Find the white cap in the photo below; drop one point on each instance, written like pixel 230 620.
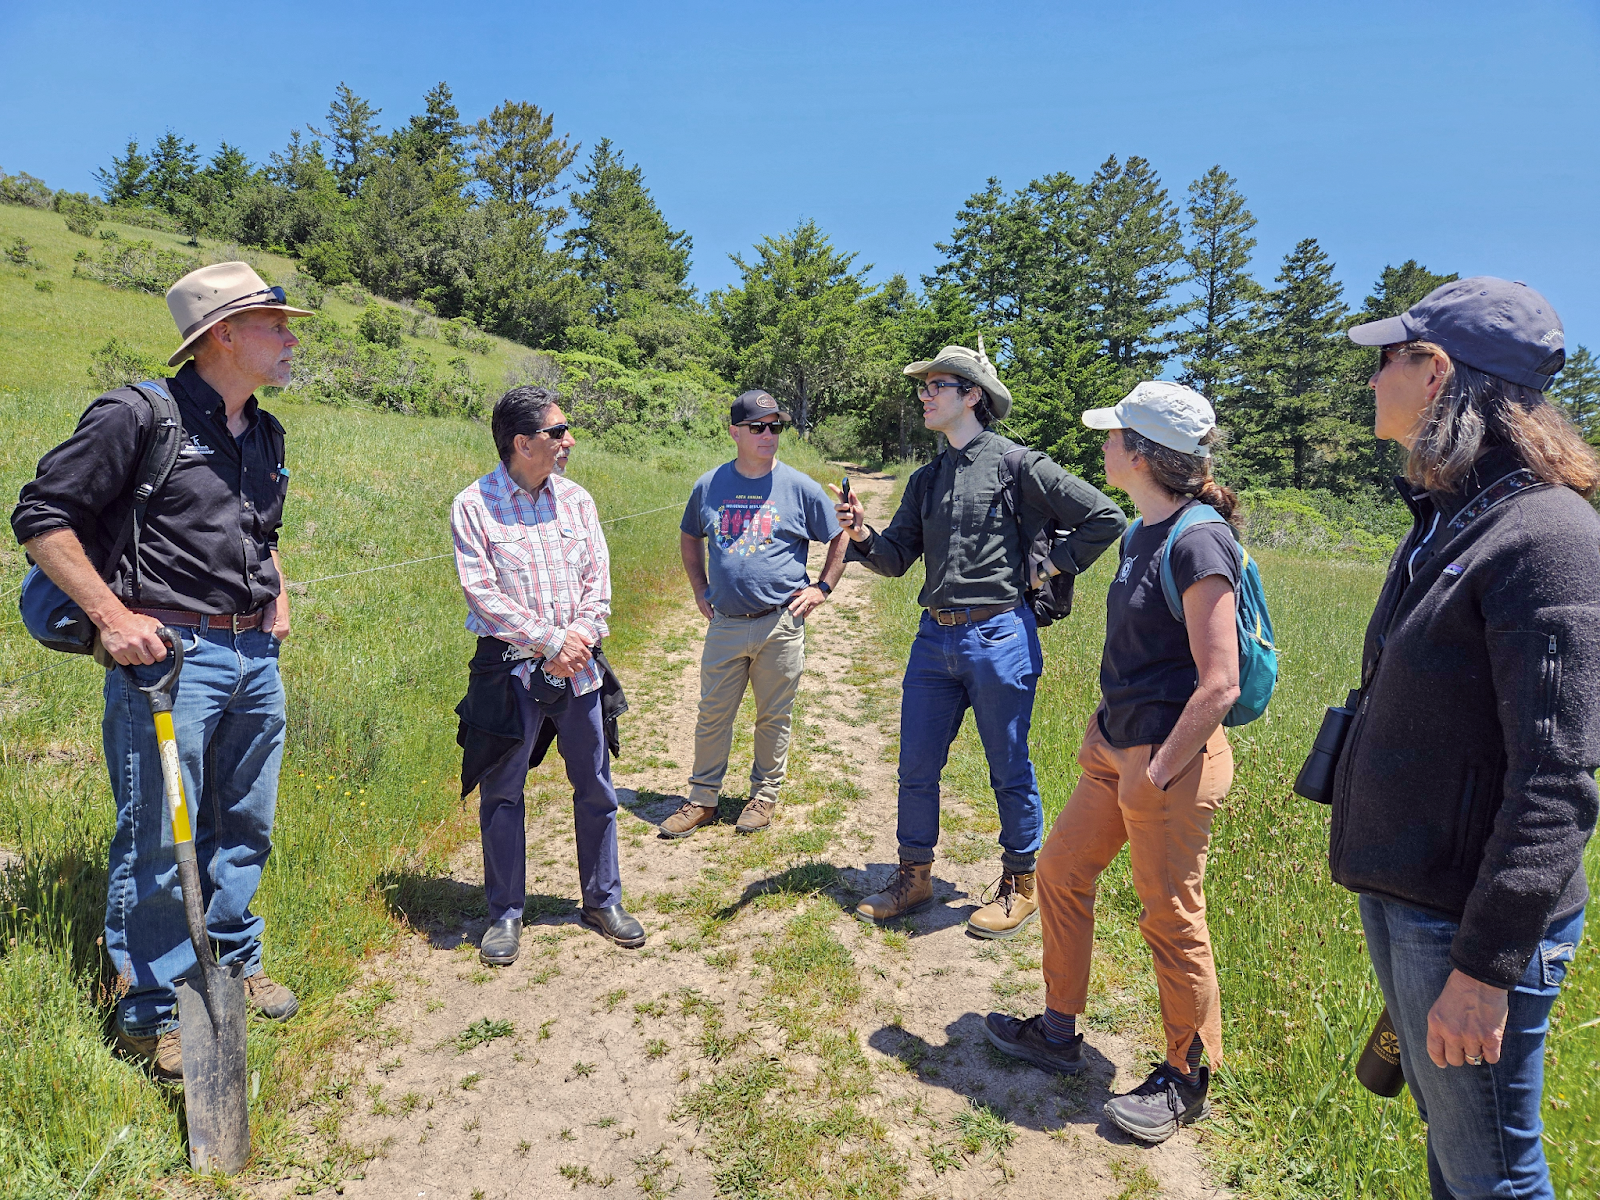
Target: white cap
pixel 1167 413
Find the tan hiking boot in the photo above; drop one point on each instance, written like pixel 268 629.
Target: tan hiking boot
pixel 687 819
pixel 911 890
pixel 757 815
pixel 1013 905
pixel 269 998
pixel 163 1055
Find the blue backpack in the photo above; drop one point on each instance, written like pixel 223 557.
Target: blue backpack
pixel 1258 657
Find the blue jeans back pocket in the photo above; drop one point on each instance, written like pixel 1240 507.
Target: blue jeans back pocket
pixel 1554 958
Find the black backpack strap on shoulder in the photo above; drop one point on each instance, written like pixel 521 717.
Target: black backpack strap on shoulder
pixel 161 450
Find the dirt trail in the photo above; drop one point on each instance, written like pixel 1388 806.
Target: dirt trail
pixel 583 1085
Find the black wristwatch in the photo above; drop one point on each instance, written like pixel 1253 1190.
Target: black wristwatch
pixel 824 587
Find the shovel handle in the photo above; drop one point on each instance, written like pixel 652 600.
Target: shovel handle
pixel 160 696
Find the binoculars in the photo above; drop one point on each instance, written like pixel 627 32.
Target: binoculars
pixel 1315 781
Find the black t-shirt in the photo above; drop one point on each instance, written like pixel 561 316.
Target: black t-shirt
pixel 1147 672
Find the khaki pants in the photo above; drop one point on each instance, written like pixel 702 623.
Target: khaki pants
pixel 768 653
pixel 1167 834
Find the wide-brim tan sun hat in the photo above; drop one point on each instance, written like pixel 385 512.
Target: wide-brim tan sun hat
pixel 1169 414
pixel 202 298
pixel 973 366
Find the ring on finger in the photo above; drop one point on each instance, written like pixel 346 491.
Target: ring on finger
pixel 1474 1060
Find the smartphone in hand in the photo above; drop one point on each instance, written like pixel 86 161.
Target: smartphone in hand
pixel 844 488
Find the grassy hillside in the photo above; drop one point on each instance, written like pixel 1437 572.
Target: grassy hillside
pixel 1298 993
pixel 368 806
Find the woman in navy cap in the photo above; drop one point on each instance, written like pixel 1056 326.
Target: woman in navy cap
pixel 1465 791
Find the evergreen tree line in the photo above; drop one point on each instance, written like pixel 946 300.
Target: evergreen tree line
pixel 1079 287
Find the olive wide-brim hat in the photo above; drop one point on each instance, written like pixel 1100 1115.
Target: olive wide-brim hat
pixel 202 298
pixel 973 366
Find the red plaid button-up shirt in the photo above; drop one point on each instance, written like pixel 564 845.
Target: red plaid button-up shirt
pixel 533 566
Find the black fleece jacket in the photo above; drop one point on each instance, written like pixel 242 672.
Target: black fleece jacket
pixel 1467 787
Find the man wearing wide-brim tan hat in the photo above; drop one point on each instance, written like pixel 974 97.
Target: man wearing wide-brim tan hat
pixel 202 561
pixel 977 645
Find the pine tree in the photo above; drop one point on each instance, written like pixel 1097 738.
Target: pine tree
pixel 127 179
pixel 352 130
pixel 982 254
pixel 1219 255
pixel 433 140
pixel 519 158
pixel 623 246
pixel 228 170
pixel 1135 257
pixel 1398 288
pixel 1576 391
pixel 794 323
pixel 1292 425
pixel 174 163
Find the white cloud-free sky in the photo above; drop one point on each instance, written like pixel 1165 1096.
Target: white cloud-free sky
pixel 1464 134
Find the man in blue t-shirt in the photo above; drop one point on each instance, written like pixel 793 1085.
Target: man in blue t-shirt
pixel 759 519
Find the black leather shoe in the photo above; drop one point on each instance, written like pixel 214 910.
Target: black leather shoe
pixel 616 924
pixel 501 943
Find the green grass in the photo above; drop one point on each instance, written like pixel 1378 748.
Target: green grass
pixel 1298 992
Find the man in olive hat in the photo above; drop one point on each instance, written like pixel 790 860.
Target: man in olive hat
pixel 977 645
pixel 203 562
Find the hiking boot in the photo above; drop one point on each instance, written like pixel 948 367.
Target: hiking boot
pixel 163 1054
pixel 269 998
pixel 757 815
pixel 501 942
pixel 687 819
pixel 1013 906
pixel 911 890
pixel 1153 1111
pixel 1027 1040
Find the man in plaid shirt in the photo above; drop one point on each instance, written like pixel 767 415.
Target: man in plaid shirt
pixel 533 564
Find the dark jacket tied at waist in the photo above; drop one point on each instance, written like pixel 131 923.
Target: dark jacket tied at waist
pixel 490 729
pixel 1467 786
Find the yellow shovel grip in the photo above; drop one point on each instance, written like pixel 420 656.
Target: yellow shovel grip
pixel 172 777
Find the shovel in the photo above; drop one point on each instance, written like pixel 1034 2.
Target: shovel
pixel 211 1006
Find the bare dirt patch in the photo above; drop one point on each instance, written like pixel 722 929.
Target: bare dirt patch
pixel 764 1040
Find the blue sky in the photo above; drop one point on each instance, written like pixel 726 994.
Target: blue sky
pixel 1464 134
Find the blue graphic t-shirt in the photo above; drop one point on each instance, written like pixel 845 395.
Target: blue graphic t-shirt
pixel 757 534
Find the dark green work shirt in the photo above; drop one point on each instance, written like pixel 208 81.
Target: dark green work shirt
pixel 954 512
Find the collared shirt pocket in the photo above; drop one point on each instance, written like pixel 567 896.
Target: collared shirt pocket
pixel 574 546
pixel 511 556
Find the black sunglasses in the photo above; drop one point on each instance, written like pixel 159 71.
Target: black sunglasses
pixel 764 426
pixel 556 432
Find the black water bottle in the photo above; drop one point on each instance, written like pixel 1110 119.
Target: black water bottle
pixel 1378 1068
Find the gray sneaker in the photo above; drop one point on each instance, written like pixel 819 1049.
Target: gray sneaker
pixel 1026 1040
pixel 1153 1111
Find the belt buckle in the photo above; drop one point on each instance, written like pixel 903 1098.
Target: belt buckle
pixel 233 622
pixel 940 616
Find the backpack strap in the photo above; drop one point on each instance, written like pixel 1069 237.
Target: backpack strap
pixel 1198 514
pixel 160 455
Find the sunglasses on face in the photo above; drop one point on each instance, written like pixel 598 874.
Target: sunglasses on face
pixel 760 427
pixel 556 432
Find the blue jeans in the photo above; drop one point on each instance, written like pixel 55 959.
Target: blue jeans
pixel 991 667
pixel 581 741
pixel 1483 1122
pixel 228 714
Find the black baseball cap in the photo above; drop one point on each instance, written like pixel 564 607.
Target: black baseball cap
pixel 755 405
pixel 1503 328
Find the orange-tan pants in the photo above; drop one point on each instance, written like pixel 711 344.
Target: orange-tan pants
pixel 1167 833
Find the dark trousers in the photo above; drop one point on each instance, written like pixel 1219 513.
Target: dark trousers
pixel 580 738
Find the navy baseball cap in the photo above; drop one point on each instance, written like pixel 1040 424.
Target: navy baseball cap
pixel 755 405
pixel 1505 329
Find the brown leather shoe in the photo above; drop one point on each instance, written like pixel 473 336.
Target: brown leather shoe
pixel 687 819
pixel 269 998
pixel 911 890
pixel 1013 906
pixel 757 815
pixel 163 1055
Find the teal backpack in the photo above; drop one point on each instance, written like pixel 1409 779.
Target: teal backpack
pixel 1258 657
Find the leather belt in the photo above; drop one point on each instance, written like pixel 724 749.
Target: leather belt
pixel 233 622
pixel 968 616
pixel 765 612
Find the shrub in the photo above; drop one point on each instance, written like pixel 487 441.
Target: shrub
pixel 144 218
pixel 463 335
pixel 308 291
pixel 20 253
pixel 117 364
pixel 43 285
pixel 535 370
pixel 381 325
pixel 24 189
pixel 137 266
pixel 1284 521
pixel 334 367
pixel 80 218
pixel 423 324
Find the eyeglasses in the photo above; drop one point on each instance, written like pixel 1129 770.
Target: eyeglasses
pixel 929 389
pixel 556 432
pixel 760 427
